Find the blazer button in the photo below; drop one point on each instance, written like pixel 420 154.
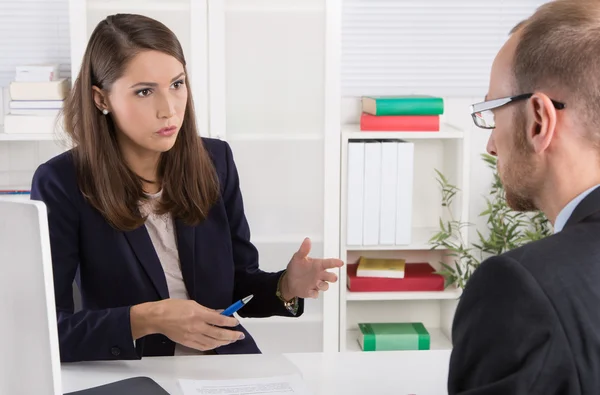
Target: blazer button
pixel 116 351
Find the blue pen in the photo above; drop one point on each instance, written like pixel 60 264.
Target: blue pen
pixel 236 306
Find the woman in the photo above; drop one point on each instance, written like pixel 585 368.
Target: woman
pixel 149 217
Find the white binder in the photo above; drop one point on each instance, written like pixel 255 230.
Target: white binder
pixel 372 202
pixel 356 177
pixel 404 199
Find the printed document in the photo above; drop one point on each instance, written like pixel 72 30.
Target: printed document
pixel 278 385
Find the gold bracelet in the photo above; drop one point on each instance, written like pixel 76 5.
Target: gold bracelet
pixel 290 305
pixel 278 292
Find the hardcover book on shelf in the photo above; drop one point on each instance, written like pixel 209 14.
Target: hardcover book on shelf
pixel 374 267
pixel 400 123
pixel 49 90
pixel 403 105
pixel 418 277
pixel 393 336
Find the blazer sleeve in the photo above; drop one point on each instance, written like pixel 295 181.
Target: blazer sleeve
pixel 249 278
pixel 506 336
pixel 86 334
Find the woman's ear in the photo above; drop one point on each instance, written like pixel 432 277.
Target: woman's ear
pixel 100 99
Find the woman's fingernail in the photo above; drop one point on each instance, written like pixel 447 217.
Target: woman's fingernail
pixel 242 336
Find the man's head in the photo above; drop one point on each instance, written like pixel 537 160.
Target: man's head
pixel 548 75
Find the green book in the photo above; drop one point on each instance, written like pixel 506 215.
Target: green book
pixel 393 336
pixel 403 105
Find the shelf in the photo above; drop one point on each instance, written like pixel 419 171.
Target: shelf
pixel 285 239
pixel 350 132
pixel 447 294
pixel 275 136
pixel 439 341
pixel 420 241
pixel 28 137
pixel 146 5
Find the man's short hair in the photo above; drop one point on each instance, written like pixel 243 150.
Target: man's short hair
pixel 559 51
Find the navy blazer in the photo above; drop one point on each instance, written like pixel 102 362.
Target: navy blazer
pixel 116 270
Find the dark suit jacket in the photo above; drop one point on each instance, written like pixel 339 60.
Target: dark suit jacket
pixel 116 270
pixel 528 321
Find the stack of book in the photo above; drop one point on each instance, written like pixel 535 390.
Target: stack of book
pixel 401 113
pixel 393 336
pixel 36 98
pixel 392 275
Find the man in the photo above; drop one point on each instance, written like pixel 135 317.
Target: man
pixel 528 321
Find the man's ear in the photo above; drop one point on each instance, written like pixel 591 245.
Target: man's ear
pixel 542 125
pixel 100 99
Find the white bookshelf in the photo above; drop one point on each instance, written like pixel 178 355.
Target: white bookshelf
pixel 447 151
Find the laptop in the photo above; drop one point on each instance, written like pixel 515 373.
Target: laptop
pixel 30 359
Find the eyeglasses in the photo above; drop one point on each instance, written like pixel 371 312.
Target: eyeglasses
pixel 482 113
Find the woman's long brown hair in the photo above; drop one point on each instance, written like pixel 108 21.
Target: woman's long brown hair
pixel 189 181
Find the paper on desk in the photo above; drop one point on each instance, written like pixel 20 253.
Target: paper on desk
pixel 278 385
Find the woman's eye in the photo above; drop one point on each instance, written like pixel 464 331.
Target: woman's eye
pixel 178 84
pixel 143 92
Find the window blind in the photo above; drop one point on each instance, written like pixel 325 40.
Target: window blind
pixel 435 47
pixel 31 32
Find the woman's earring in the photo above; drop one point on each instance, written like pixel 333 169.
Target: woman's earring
pixel 105 111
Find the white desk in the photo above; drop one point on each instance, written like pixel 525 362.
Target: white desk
pixel 381 373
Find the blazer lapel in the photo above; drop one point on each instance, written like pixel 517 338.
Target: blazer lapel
pixel 588 206
pixel 140 242
pixel 186 246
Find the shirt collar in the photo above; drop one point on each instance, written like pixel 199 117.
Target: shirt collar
pixel 566 212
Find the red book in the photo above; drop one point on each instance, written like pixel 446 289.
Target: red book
pixel 417 277
pixel 400 123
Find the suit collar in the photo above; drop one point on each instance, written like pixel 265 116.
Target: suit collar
pixel 588 206
pixel 186 245
pixel 142 246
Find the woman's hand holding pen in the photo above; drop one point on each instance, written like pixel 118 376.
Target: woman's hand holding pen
pixel 306 276
pixel 185 322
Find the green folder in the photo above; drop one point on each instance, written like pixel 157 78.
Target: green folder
pixel 393 336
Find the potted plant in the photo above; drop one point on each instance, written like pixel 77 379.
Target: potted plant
pixel 507 229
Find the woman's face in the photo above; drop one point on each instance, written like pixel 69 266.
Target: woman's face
pixel 148 103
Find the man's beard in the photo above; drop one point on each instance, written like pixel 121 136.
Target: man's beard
pixel 519 202
pixel 521 185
